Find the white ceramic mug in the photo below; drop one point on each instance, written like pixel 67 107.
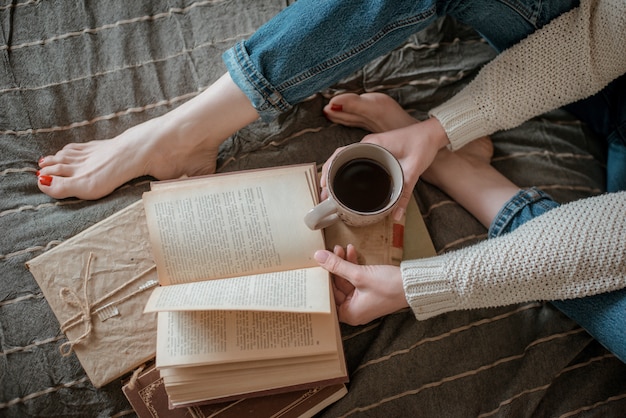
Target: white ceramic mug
pixel 364 182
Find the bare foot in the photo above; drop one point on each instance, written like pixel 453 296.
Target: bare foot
pixel 184 141
pixel 375 112
pixel 378 112
pixel 94 169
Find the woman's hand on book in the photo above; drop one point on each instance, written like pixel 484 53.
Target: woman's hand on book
pixel 362 293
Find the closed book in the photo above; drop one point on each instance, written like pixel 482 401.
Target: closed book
pixel 149 399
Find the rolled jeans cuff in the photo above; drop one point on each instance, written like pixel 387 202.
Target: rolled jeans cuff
pixel 265 98
pixel 521 208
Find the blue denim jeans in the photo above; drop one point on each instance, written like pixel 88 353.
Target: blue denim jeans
pixel 314 43
pixel 603 315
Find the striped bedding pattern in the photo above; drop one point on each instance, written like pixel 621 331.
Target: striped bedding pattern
pixel 75 71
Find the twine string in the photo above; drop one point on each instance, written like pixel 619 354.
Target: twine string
pixel 135 376
pixel 72 299
pixel 87 309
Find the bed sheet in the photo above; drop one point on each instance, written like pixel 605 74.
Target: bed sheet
pixel 76 71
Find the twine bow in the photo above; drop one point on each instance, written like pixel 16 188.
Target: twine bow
pixel 87 309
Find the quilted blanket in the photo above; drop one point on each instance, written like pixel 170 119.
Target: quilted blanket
pixel 73 71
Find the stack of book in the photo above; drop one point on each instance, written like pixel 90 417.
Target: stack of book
pixel 214 279
pixel 243 308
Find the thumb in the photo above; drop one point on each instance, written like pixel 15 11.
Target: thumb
pixel 335 264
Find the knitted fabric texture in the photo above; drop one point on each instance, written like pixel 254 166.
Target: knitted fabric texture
pixel 576 250
pixel 571 58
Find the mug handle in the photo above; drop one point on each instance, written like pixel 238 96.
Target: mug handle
pixel 322 215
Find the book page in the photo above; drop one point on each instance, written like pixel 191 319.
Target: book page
pixel 209 337
pixel 303 290
pixel 233 225
pixel 244 382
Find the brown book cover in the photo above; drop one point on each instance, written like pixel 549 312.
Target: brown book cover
pixel 149 399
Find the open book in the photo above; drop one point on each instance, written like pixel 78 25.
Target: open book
pixel 243 308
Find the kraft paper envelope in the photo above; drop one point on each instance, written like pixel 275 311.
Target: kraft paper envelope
pixel 97 284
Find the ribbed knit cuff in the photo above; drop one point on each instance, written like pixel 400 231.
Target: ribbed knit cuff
pixel 427 290
pixel 461 119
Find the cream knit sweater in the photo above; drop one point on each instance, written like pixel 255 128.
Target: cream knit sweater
pixel 576 250
pixel 571 58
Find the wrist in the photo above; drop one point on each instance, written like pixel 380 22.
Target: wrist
pixel 437 135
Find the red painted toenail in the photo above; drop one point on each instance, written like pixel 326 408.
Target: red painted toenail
pixel 45 180
pixel 40 162
pixel 336 107
pixel 37 173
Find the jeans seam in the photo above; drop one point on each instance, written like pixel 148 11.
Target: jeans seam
pixel 531 15
pixel 618 135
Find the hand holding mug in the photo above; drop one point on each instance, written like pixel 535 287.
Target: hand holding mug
pixel 363 185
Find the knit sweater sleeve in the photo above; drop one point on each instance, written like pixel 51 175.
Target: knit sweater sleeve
pixel 571 58
pixel 576 250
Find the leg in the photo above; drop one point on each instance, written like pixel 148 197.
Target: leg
pixel 330 40
pixel 605 114
pixel 603 315
pixel 184 141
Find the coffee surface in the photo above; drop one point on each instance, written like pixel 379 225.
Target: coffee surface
pixel 363 185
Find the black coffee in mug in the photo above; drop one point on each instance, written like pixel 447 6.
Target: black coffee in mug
pixel 363 185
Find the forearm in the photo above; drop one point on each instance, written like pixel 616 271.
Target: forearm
pixel 573 251
pixel 571 58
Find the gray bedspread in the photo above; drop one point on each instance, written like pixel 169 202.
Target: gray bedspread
pixel 73 71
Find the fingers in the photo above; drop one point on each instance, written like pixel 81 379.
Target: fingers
pixel 336 265
pixel 340 297
pixel 339 251
pixel 342 285
pixel 351 254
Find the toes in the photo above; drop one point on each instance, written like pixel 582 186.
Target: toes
pixel 62 157
pixel 343 118
pixel 338 104
pixel 52 186
pixel 345 109
pixel 64 170
pixel 59 187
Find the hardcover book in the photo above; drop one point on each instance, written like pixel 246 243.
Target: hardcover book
pixel 148 398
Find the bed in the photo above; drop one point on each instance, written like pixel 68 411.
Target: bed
pixel 75 71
